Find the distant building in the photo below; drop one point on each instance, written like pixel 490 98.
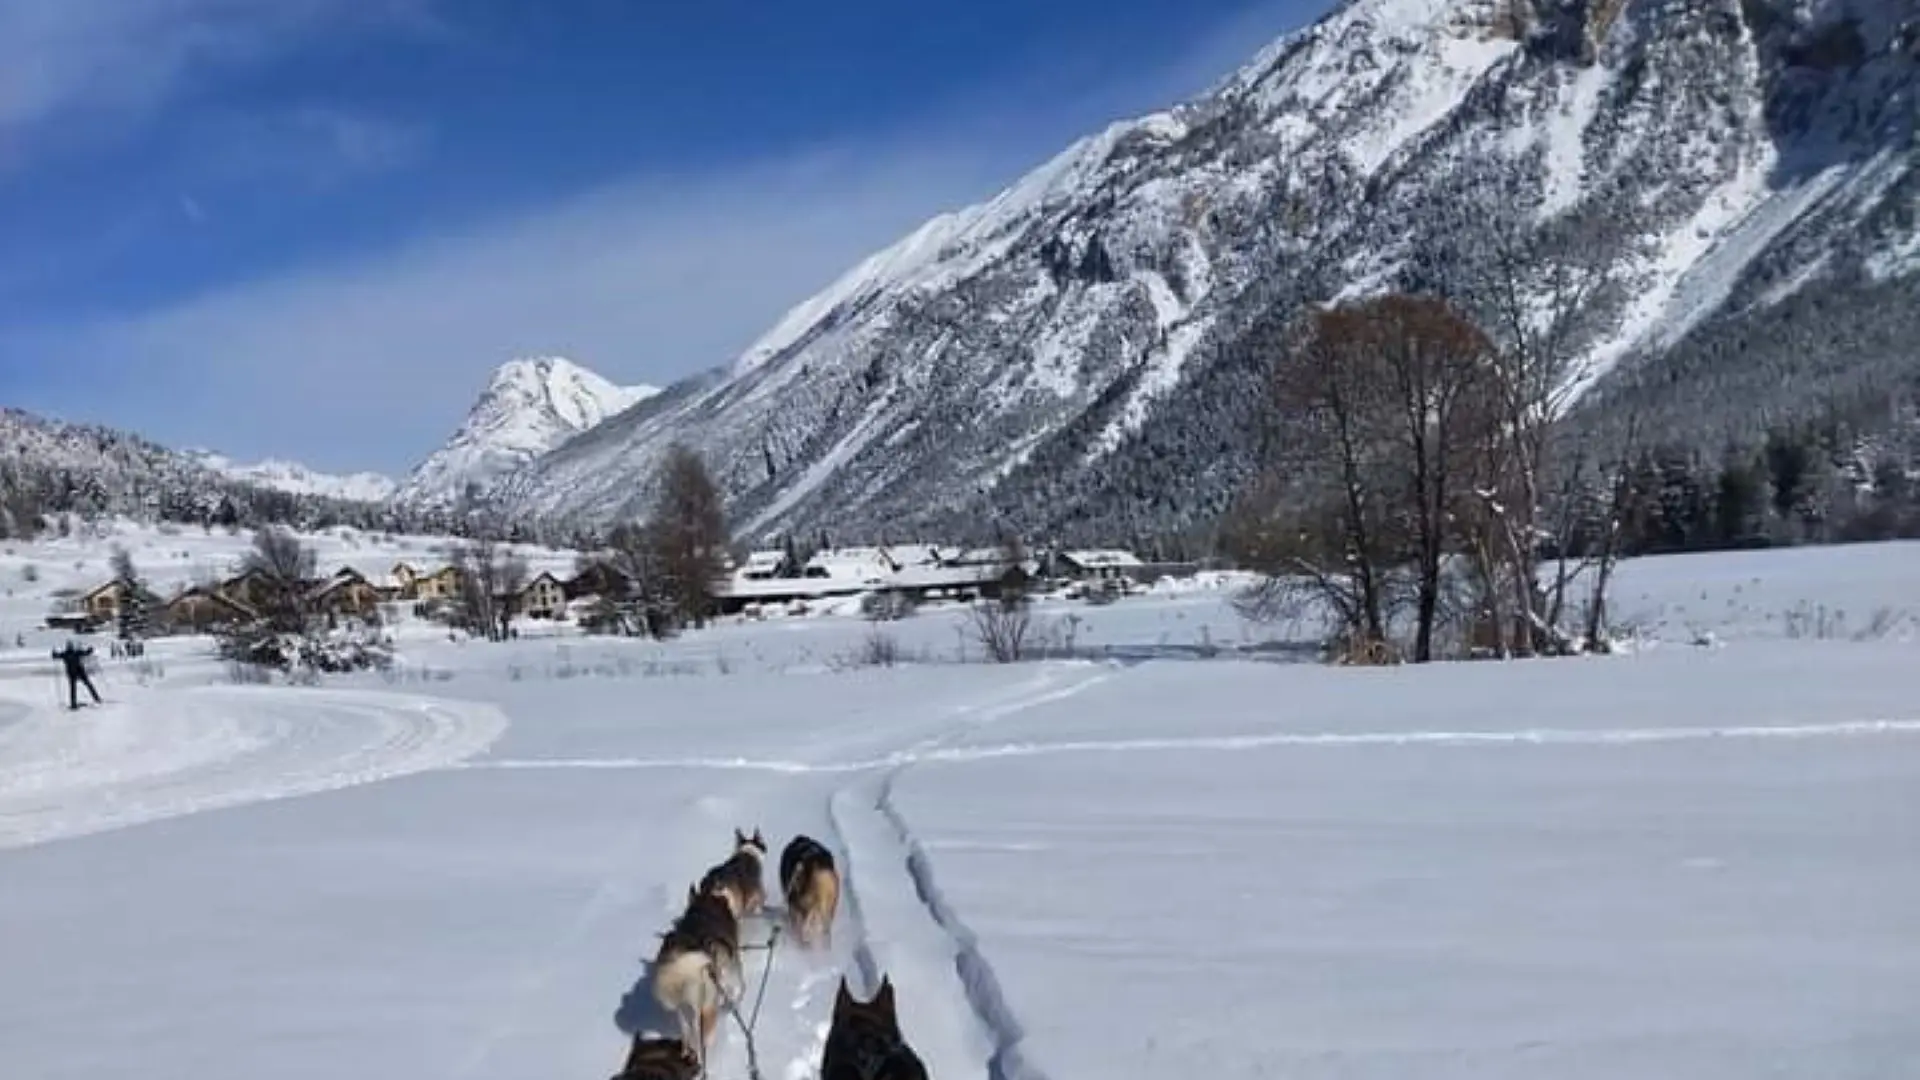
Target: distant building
pixel 103 603
pixel 859 565
pixel 596 579
pixel 543 598
pixel 345 593
pixel 762 566
pixel 405 581
pixel 204 607
pixel 1097 564
pixel 442 584
pixel 250 588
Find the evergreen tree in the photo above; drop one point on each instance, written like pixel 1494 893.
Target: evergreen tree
pixel 134 616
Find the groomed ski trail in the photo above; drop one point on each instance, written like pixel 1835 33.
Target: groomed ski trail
pixel 163 754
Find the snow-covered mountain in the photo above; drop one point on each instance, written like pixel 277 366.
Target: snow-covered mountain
pixel 1082 354
pixel 52 467
pixel 529 407
pixel 296 479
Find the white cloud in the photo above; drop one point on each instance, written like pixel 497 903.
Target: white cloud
pixel 129 56
pixel 646 280
pixel 311 146
pixel 369 362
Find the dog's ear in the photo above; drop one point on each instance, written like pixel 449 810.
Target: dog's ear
pixel 883 998
pixel 738 837
pixel 692 895
pixel 842 998
pixel 757 841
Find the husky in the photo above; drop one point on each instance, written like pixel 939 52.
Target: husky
pixel 738 879
pixel 660 1059
pixel 690 972
pixel 864 1041
pixel 811 884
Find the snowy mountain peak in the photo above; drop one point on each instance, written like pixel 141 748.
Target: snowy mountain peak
pixel 529 406
pixel 296 479
pixel 1081 355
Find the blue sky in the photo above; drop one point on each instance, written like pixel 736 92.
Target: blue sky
pixel 310 228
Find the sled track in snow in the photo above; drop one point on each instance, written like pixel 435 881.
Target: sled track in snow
pixel 977 979
pixel 862 953
pixel 183 752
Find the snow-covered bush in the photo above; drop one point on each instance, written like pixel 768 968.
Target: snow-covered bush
pixel 887 605
pixel 261 647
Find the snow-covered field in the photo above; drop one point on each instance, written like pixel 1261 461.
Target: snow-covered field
pixel 1179 858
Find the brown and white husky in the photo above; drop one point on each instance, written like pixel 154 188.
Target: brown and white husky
pixel 697 966
pixel 811 884
pixel 739 878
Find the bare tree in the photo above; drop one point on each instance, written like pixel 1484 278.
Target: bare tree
pixel 1327 518
pixel 1437 367
pixel 1003 622
pixel 491 578
pixel 628 578
pixel 1546 294
pixel 510 576
pixel 473 565
pixel 285 568
pixel 687 536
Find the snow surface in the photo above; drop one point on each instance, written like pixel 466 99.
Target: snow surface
pixel 1680 862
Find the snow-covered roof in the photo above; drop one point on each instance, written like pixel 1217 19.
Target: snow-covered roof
pixel 1102 558
pixel 763 562
pixel 943 577
pixel 979 556
pixel 855 564
pixel 910 555
pixel 784 588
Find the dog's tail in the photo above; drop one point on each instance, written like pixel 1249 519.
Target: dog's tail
pixel 812 901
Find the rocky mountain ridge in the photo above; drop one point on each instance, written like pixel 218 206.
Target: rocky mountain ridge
pixel 1080 356
pixel 530 406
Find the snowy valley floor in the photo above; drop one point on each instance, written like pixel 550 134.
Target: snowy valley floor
pixel 1687 863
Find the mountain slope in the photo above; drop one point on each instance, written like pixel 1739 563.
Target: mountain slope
pixel 529 407
pixel 296 479
pixel 1082 354
pixel 52 467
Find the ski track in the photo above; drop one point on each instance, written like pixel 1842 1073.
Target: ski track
pixel 936 754
pixel 917 925
pixel 188 751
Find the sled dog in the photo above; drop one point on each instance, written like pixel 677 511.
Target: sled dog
pixel 660 1059
pixel 811 884
pixel 864 1041
pixel 691 971
pixel 738 879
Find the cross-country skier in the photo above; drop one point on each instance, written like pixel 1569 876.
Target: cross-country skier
pixel 74 657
